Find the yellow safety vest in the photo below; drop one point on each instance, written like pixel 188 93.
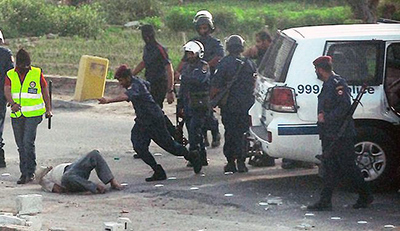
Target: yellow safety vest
pixel 28 95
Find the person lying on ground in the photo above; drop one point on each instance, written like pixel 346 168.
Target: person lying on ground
pixel 74 177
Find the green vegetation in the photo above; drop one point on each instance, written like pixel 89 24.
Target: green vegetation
pixel 95 27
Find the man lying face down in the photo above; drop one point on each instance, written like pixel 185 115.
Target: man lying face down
pixel 74 177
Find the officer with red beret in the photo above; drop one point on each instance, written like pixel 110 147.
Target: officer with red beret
pixel 333 105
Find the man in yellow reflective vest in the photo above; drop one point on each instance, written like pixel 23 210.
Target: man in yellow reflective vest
pixel 26 91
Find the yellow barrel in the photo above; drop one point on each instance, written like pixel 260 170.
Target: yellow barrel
pixel 91 78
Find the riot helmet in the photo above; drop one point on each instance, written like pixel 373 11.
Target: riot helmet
pixel 234 44
pixel 202 13
pixel 204 17
pixel 196 47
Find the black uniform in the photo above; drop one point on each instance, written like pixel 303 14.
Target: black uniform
pixel 212 48
pixel 6 64
pixel 334 102
pixel 149 124
pixel 235 113
pixel 194 92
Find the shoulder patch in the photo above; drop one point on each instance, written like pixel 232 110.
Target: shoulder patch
pixel 340 90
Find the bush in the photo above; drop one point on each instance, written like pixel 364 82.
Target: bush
pixel 36 18
pixel 119 12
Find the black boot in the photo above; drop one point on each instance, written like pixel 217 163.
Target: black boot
pixel 363 202
pixel 320 206
pixel 241 166
pixel 159 174
pixel 194 161
pixel 230 167
pixel 216 140
pixel 2 159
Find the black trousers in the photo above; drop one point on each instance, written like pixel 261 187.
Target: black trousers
pixel 341 163
pixel 235 124
pixel 142 134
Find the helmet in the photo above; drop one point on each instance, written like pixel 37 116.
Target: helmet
pixel 196 47
pixel 1 37
pixel 234 43
pixel 202 13
pixel 204 17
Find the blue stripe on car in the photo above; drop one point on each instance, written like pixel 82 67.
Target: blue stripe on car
pixel 291 129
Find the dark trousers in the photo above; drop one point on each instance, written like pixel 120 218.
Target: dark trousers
pixel 158 90
pixel 235 124
pixel 195 125
pixel 76 175
pixel 340 163
pixel 211 123
pixel 3 109
pixel 142 134
pixel 25 135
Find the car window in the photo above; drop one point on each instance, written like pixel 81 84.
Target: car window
pixel 357 61
pixel 392 80
pixel 276 61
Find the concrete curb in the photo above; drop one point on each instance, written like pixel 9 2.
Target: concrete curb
pixel 65 85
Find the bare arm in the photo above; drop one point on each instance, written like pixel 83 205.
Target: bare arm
pixel 7 93
pixel 178 70
pixel 120 98
pixel 213 62
pixel 170 75
pixel 47 103
pixel 138 68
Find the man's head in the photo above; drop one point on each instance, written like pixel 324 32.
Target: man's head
pixel 194 51
pixel 203 22
pixel 123 75
pixel 23 59
pixel 234 44
pixel 148 33
pixel 323 67
pixel 263 40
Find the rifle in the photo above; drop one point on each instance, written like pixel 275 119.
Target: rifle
pixel 345 123
pixel 50 96
pixel 222 96
pixel 180 122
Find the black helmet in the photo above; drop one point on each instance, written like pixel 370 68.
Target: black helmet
pixel 234 44
pixel 203 17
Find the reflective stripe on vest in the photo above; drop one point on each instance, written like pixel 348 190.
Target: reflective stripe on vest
pixel 28 95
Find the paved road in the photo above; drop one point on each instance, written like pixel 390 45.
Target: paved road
pixel 208 201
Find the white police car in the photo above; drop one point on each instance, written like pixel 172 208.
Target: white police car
pixel 284 115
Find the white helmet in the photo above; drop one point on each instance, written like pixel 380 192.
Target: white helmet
pixel 202 13
pixel 196 47
pixel 1 37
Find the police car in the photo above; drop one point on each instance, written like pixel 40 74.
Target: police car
pixel 284 115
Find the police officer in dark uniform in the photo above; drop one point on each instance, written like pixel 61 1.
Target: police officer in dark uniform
pixel 159 71
pixel 234 113
pixel 194 92
pixel 6 64
pixel 213 52
pixel 339 161
pixel 149 123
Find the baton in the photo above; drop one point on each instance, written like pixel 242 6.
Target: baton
pixel 51 105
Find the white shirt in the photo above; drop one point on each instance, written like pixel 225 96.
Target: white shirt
pixel 53 177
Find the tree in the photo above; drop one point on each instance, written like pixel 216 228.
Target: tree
pixel 366 10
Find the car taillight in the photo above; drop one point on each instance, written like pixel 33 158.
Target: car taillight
pixel 282 99
pixel 269 137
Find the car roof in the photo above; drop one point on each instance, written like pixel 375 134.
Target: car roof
pixel 354 31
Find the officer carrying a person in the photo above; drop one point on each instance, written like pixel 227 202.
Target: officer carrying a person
pixel 238 73
pixel 149 123
pixel 194 92
pixel 338 158
pixel 213 52
pixel 6 64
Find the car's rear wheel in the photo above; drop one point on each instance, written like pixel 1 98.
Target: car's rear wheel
pixel 375 156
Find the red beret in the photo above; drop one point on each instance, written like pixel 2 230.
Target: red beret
pixel 322 60
pixel 122 71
